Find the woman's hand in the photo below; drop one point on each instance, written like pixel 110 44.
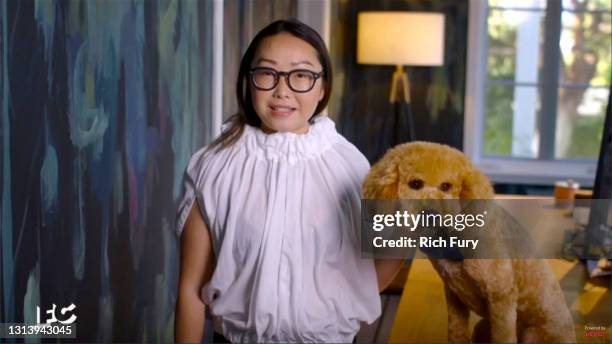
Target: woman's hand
pixel 197 266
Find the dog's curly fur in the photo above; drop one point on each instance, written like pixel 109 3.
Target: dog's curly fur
pixel 518 299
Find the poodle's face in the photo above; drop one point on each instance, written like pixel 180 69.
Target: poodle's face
pixel 425 170
pixel 430 176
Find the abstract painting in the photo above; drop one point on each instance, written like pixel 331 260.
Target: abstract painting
pixel 101 105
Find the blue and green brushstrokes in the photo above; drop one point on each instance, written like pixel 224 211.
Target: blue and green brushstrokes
pixel 101 105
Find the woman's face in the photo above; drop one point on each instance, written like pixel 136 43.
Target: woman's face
pixel 281 108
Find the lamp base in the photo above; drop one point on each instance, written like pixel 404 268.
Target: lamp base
pixel 400 86
pixel 399 98
pixel 398 126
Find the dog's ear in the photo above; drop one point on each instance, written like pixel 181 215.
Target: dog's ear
pixel 381 182
pixel 475 185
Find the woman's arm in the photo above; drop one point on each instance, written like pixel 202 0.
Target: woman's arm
pixel 197 266
pixel 386 269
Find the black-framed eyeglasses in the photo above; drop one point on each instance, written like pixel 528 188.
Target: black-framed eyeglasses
pixel 298 80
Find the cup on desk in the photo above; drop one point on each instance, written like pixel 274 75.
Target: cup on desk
pixel 565 191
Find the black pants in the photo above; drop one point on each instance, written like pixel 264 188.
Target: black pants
pixel 218 338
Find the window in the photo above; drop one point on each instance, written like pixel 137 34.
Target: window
pixel 529 120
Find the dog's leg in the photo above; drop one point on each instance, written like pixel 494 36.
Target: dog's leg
pixel 532 335
pixel 495 278
pixel 545 334
pixel 502 315
pixel 458 318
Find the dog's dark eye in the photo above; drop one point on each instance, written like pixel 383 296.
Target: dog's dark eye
pixel 446 186
pixel 415 184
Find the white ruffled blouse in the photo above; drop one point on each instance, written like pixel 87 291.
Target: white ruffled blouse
pixel 283 212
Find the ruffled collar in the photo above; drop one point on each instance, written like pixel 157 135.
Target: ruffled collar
pixel 291 147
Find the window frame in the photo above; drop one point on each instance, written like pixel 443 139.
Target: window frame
pixel 544 169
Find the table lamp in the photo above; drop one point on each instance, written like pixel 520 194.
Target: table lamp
pixel 399 39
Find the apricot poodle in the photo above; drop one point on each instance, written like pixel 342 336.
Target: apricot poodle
pixel 518 299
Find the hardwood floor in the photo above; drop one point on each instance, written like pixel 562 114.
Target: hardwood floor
pixel 422 318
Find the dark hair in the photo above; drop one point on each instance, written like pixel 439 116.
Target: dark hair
pixel 246 112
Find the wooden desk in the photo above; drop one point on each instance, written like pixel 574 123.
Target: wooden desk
pixel 422 317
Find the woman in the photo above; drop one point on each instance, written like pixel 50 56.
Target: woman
pixel 270 212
